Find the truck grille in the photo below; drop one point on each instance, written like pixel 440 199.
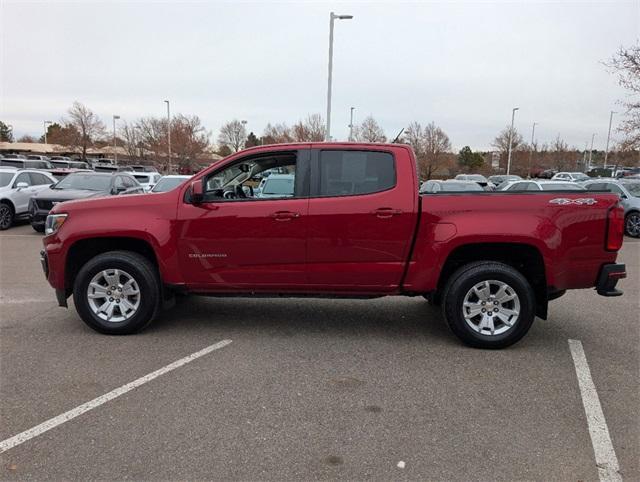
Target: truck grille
pixel 45 204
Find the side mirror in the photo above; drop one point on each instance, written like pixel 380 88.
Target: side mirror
pixel 197 191
pixel 22 185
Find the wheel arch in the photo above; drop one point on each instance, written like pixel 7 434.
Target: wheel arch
pixel 83 250
pixel 9 202
pixel 525 258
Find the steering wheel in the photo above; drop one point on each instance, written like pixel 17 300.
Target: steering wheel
pixel 229 195
pixel 240 194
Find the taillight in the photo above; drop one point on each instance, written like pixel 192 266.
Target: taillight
pixel 615 228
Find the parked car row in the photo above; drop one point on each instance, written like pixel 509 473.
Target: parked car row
pixel 37 161
pixel 628 188
pixel 31 193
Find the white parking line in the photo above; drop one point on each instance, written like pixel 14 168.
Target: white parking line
pixel 34 236
pixel 606 460
pixel 96 402
pixel 24 301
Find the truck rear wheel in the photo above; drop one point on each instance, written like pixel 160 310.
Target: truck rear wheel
pixel 117 293
pixel 488 304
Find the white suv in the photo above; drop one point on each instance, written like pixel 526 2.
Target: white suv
pixel 17 186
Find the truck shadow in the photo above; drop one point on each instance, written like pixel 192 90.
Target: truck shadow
pixel 392 317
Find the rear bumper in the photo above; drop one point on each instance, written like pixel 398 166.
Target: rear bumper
pixel 608 278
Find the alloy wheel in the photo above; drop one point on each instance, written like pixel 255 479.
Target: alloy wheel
pixel 113 295
pixel 491 307
pixel 633 225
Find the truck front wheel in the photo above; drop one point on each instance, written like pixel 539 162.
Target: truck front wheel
pixel 488 304
pixel 117 293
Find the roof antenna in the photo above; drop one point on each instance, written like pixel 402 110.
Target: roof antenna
pixel 398 136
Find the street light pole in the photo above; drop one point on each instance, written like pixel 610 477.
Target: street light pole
pixel 606 152
pixel 115 152
pixel 45 130
pixel 533 131
pixel 351 126
pixel 168 136
pixel 332 18
pixel 513 115
pixel 591 151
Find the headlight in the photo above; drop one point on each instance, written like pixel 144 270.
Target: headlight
pixel 54 222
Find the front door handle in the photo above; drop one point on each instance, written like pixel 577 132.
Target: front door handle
pixel 386 212
pixel 284 215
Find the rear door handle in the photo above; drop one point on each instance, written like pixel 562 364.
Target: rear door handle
pixel 386 212
pixel 284 215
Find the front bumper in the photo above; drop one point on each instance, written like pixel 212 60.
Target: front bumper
pixel 60 294
pixel 608 278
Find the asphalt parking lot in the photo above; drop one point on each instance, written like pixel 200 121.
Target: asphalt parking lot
pixel 311 389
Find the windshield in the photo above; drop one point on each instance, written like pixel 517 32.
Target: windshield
pixel 90 182
pixel 165 185
pixel 61 164
pixel 278 186
pixel 561 186
pixel 633 188
pixel 580 176
pixel 5 178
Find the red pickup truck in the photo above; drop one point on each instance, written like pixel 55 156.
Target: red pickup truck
pixel 338 220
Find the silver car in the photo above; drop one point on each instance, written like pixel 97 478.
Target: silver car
pixel 17 186
pixel 536 185
pixel 276 185
pixel 629 192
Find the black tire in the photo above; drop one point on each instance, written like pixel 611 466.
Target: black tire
pixel 141 270
pixel 633 231
pixel 468 276
pixel 38 227
pixel 6 216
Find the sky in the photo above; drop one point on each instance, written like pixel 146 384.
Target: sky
pixel 463 65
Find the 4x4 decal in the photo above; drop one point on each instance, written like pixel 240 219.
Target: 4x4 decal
pixel 563 201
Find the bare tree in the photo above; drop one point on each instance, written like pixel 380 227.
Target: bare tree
pixel 132 140
pixel 309 130
pixel 430 144
pixel 559 153
pixel 277 134
pixel 501 142
pixel 152 133
pixel 233 135
pixel 369 131
pixel 626 64
pixel 87 124
pixel 27 138
pixel 189 139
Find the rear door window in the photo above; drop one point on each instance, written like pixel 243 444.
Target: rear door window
pixel 38 179
pixel 22 177
pixel 349 173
